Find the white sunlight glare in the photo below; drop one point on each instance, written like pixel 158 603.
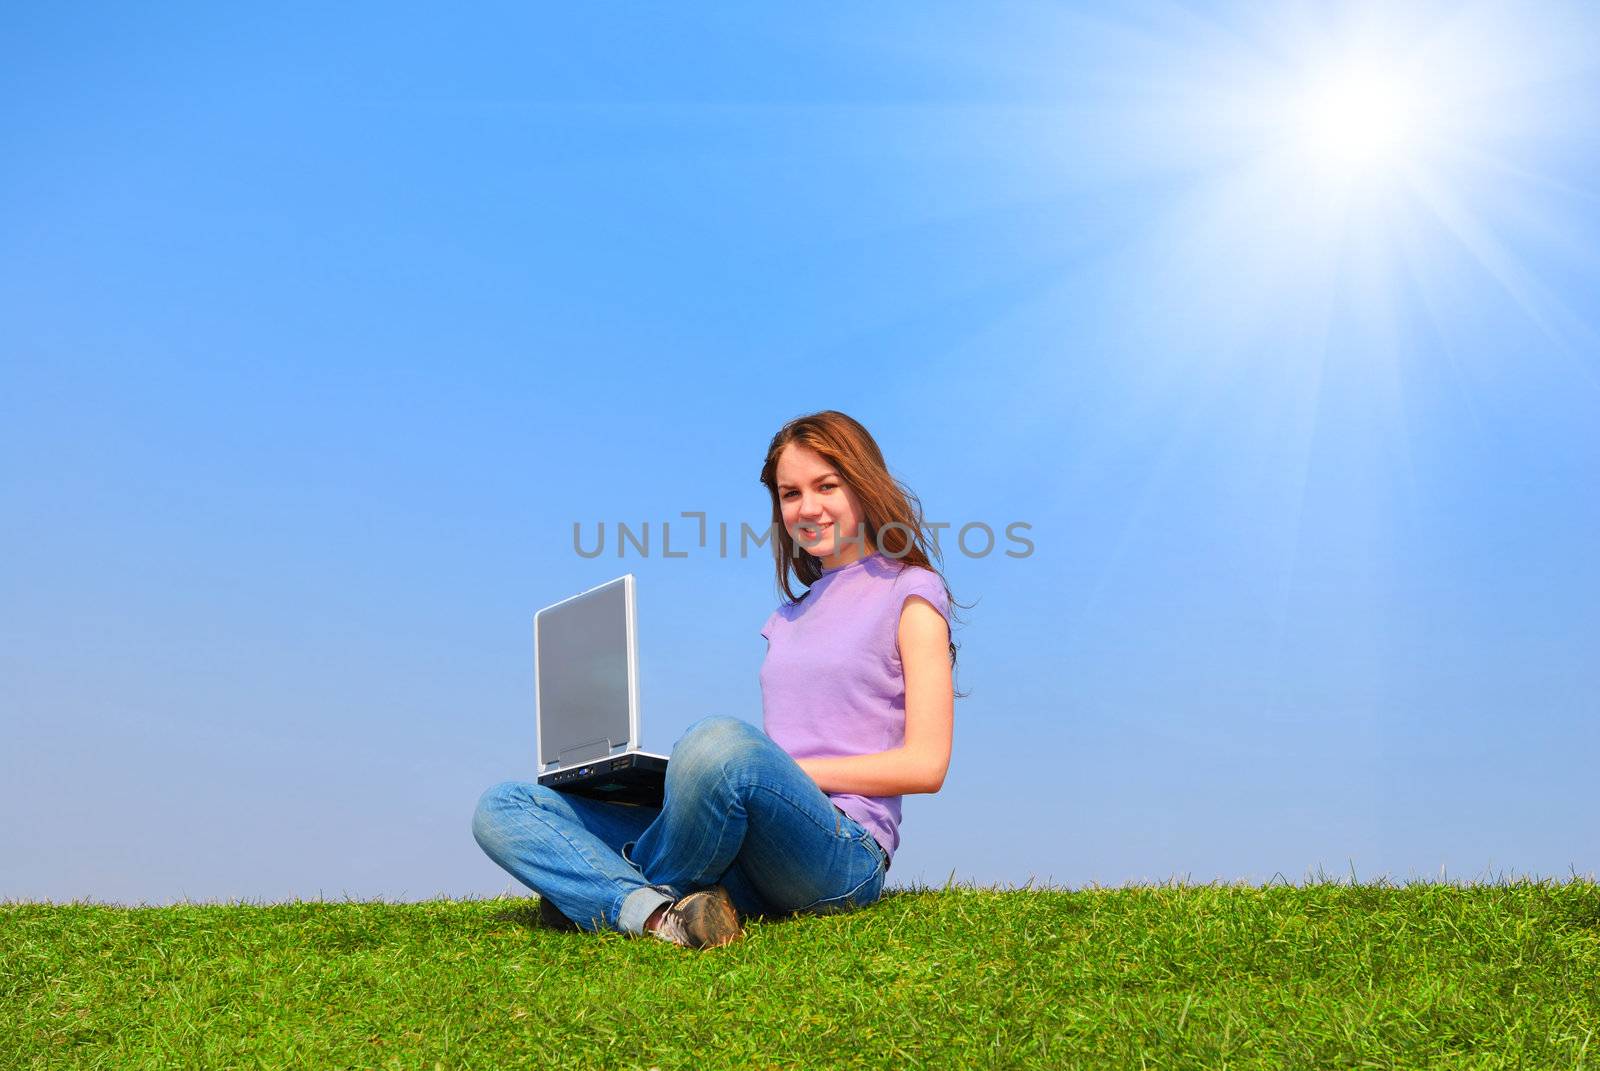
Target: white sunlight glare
pixel 1356 121
pixel 1336 161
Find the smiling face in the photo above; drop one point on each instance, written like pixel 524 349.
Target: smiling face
pixel 821 512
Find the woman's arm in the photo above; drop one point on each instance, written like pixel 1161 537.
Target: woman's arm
pixel 919 765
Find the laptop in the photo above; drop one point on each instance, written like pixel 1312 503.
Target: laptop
pixel 586 683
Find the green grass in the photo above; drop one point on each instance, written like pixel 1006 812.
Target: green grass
pixel 1317 976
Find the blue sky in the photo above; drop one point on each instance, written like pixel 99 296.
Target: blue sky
pixel 321 329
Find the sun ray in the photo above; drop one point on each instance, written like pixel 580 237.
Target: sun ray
pixel 1475 238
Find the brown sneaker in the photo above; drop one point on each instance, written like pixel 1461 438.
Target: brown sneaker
pixel 703 919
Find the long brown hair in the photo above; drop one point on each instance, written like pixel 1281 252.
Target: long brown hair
pixel 894 521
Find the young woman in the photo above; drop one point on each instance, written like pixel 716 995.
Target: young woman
pixel 857 702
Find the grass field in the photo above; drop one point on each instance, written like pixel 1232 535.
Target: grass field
pixel 1321 975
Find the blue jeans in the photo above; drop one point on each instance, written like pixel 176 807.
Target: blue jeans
pixel 738 811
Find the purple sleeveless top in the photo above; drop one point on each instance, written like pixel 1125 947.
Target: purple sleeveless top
pixel 832 683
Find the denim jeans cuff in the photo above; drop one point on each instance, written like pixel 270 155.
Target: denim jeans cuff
pixel 637 906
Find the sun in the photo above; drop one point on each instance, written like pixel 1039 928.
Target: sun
pixel 1323 166
pixel 1356 122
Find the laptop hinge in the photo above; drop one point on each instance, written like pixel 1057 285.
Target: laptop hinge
pixel 594 749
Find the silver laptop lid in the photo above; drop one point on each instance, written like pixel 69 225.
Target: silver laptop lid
pixel 586 677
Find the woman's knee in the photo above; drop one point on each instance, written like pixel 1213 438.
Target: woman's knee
pixel 500 801
pixel 712 746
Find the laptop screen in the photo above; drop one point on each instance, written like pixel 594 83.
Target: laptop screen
pixel 584 665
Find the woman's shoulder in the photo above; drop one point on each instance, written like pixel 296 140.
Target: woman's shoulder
pixel 910 579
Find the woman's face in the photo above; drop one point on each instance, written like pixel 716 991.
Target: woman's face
pixel 821 511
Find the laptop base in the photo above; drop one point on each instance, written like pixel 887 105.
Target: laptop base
pixel 636 778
